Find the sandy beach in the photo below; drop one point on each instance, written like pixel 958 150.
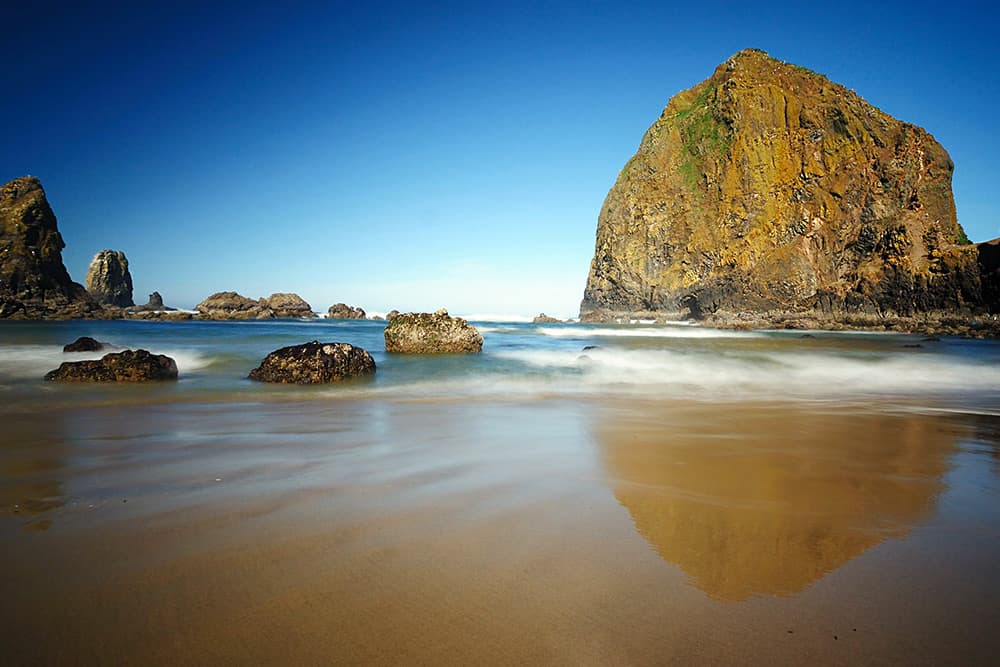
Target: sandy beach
pixel 499 532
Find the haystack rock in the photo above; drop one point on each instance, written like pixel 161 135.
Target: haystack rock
pixel 769 188
pixel 314 363
pixel 341 311
pixel 437 333
pixel 34 283
pixel 108 279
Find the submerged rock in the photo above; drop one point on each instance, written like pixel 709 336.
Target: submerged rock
pixel 341 311
pixel 437 333
pixel 108 279
pixel 34 283
pixel 767 188
pixel 85 344
pixel 126 366
pixel 314 363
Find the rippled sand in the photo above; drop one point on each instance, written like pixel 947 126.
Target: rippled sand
pixel 492 532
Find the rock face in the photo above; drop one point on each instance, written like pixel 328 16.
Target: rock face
pixel 84 344
pixel 127 366
pixel 34 283
pixel 108 279
pixel 425 333
pixel 233 306
pixel 341 311
pixel 769 188
pixel 314 363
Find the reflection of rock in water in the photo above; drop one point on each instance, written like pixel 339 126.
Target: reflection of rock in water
pixel 761 500
pixel 31 461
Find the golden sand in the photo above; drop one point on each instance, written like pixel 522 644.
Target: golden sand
pixel 557 532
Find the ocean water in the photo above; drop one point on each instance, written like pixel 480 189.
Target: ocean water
pixel 575 494
pixel 525 361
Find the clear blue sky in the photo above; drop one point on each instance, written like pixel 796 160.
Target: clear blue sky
pixel 421 155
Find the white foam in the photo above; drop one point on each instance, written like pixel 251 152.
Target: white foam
pixel 763 374
pixel 667 331
pixel 496 317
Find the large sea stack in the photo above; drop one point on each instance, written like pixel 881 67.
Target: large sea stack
pixel 34 283
pixel 108 279
pixel 769 189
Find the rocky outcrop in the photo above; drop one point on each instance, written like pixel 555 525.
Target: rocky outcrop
pixel 437 333
pixel 108 279
pixel 85 344
pixel 233 306
pixel 285 304
pixel 34 283
pixel 126 366
pixel 341 311
pixel 155 303
pixel 768 188
pixel 314 363
pixel 391 314
pixel 542 318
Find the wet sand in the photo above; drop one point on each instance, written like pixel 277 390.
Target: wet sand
pixel 491 532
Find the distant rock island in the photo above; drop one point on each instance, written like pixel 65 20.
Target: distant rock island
pixel 34 283
pixel 341 311
pixel 233 306
pixel 767 191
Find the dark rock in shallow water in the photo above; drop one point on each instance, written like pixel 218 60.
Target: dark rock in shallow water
pixel 85 344
pixel 591 347
pixel 542 318
pixel 126 366
pixel 314 363
pixel 425 333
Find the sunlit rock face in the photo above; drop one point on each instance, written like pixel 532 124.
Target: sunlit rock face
pixel 763 501
pixel 767 187
pixel 108 279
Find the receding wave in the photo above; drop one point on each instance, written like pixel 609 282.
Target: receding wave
pixel 761 374
pixel 667 331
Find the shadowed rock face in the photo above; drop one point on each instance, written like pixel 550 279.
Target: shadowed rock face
pixel 426 333
pixel 127 366
pixel 108 279
pixel 84 344
pixel 768 187
pixel 34 283
pixel 314 363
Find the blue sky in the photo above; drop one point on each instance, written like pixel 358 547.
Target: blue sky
pixel 414 156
